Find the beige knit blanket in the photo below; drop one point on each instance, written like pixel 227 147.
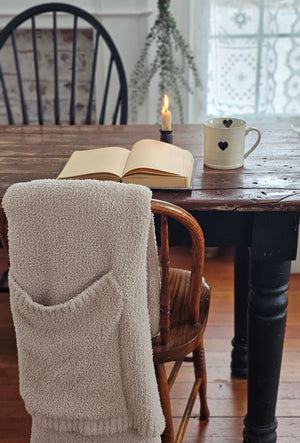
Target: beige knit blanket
pixel 84 280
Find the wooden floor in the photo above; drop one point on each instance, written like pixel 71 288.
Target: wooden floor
pixel 226 396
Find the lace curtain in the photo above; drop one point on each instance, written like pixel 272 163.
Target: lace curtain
pixel 254 59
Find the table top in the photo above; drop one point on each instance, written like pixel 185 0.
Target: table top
pixel 269 180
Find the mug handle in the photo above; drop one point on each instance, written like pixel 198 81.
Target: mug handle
pixel 256 143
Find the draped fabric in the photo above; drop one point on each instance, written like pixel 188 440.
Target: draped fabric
pixel 82 316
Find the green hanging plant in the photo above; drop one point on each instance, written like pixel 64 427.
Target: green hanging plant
pixel 168 40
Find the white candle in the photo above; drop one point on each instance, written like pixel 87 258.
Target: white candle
pixel 166 116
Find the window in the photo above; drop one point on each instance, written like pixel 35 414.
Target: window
pixel 254 59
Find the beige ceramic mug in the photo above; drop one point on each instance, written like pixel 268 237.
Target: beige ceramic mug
pixel 224 143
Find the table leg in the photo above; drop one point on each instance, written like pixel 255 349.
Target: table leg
pixel 239 359
pixel 266 327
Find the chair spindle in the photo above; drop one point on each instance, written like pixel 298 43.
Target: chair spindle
pixel 19 77
pixel 10 117
pixel 92 84
pixel 36 70
pixel 165 294
pixel 56 87
pixel 106 89
pixel 72 103
pixel 118 104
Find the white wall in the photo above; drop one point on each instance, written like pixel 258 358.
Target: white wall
pixel 128 24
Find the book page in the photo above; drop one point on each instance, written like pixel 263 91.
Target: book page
pixel 158 181
pixel 150 156
pixel 95 162
pixel 188 166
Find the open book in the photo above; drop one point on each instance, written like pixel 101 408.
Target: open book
pixel 150 162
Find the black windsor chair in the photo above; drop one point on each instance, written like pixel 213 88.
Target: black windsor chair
pixel 24 73
pixel 111 102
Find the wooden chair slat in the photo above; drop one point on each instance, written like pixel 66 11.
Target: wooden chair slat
pixel 165 294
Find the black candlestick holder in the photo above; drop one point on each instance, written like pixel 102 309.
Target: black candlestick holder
pixel 166 136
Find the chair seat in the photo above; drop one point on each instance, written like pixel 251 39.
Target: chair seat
pixel 183 337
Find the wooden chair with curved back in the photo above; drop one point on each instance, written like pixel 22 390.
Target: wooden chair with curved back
pixel 51 77
pixel 184 307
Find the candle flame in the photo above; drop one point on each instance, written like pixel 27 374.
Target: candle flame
pixel 166 103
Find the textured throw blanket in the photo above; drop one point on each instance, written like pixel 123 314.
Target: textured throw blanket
pixel 84 280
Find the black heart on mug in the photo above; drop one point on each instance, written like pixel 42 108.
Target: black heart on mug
pixel 223 145
pixel 227 123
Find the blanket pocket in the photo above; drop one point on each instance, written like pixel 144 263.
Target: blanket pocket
pixel 104 293
pixel 69 358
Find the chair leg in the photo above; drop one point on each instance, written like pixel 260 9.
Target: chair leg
pixel 164 392
pixel 3 281
pixel 200 372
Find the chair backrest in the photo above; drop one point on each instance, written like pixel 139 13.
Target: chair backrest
pixel 169 211
pixel 165 211
pixel 25 72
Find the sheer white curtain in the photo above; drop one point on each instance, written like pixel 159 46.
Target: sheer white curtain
pixel 253 58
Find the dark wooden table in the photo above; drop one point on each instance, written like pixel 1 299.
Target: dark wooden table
pixel 255 209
